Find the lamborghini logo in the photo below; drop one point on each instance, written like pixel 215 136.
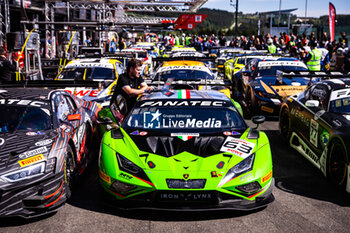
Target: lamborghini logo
pixel 186 176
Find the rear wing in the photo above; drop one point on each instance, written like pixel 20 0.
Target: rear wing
pixel 56 83
pixel 311 74
pixel 158 61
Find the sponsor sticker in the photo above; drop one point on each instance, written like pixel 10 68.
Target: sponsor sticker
pixel 125 176
pixel 267 109
pixel 267 177
pixel 151 119
pixel 313 132
pixel 104 176
pixel 135 133
pixel 31 160
pixel 238 147
pixel 143 133
pixel 44 142
pixel 37 151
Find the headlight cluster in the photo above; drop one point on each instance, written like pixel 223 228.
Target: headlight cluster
pixel 130 167
pixel 25 173
pixel 240 168
pixel 126 165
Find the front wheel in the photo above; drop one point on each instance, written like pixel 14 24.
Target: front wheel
pixel 285 128
pixel 69 169
pixel 252 108
pixel 337 164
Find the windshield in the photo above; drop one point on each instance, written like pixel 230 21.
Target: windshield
pixel 184 74
pixel 272 70
pixel 340 105
pixel 184 119
pixel 90 74
pixel 244 60
pixel 14 118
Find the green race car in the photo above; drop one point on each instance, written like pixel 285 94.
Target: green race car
pixel 185 149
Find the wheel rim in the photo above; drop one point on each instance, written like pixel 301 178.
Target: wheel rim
pixel 338 164
pixel 69 172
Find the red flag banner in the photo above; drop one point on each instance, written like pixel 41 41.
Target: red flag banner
pixel 189 21
pixel 331 21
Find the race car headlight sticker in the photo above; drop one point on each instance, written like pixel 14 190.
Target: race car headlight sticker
pixel 121 187
pixel 26 173
pixel 240 168
pixel 250 187
pixel 128 166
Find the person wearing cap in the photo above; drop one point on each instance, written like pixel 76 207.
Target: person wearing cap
pixel 313 58
pixel 271 47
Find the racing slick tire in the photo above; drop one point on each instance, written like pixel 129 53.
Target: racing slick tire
pixel 284 125
pixel 69 170
pixel 337 164
pixel 252 108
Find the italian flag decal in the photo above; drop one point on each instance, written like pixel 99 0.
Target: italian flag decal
pixel 185 136
pixel 183 94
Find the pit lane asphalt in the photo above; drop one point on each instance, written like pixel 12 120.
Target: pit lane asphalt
pixel 305 202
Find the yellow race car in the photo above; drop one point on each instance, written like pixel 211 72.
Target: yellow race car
pixel 102 71
pixel 187 74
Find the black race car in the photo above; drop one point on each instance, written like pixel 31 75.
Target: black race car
pixel 316 123
pixel 45 138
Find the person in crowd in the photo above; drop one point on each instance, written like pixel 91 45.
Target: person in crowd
pixel 122 44
pixel 222 40
pixel 113 45
pixel 313 57
pixel 6 67
pixel 270 46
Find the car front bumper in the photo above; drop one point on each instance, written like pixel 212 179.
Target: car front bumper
pixel 33 198
pixel 169 200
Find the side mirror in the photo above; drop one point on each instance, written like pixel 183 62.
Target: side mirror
pixel 258 120
pixel 312 103
pixel 74 117
pixel 104 121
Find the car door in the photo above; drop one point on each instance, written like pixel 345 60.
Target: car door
pixel 322 127
pixel 79 122
pixel 312 116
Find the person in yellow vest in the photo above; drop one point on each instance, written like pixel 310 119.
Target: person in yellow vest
pixel 313 58
pixel 270 46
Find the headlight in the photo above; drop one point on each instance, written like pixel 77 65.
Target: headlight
pixel 240 168
pixel 128 166
pixel 26 173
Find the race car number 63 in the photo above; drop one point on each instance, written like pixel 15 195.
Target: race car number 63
pixel 238 147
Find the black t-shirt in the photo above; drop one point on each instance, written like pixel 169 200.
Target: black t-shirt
pixel 5 69
pixel 125 80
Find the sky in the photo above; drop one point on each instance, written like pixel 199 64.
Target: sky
pixel 315 8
